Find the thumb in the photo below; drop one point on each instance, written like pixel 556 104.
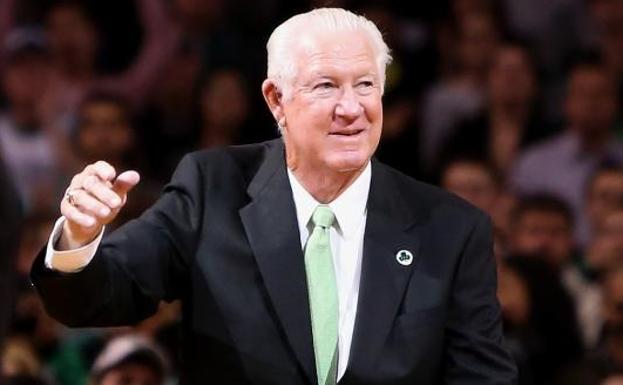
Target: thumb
pixel 125 182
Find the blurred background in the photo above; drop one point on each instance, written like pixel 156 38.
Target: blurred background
pixel 514 105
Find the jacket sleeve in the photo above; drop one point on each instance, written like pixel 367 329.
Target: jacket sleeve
pixel 140 264
pixel 475 352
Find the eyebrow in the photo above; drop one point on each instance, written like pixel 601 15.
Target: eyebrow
pixel 322 75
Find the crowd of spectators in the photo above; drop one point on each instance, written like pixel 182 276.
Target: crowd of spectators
pixel 514 105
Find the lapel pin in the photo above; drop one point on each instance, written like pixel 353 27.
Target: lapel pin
pixel 404 257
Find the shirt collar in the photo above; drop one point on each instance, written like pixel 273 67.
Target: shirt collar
pixel 349 207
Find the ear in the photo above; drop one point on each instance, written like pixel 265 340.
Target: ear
pixel 274 100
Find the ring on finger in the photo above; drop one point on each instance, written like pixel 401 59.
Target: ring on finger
pixel 70 195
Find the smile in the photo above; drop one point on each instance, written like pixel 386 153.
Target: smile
pixel 347 133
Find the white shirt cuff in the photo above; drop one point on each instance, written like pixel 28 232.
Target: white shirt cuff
pixel 69 261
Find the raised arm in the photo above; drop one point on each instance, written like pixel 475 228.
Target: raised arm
pixel 135 267
pixel 160 40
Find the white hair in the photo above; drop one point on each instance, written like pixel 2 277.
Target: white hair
pixel 282 65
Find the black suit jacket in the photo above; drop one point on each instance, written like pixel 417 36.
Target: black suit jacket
pixel 224 238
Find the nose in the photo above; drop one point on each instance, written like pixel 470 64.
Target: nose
pixel 348 106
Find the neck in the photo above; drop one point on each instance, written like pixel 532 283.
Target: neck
pixel 324 186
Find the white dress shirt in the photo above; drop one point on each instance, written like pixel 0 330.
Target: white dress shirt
pixel 346 238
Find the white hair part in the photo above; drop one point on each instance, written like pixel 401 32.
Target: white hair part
pixel 282 65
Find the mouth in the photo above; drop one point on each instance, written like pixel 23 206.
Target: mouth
pixel 347 132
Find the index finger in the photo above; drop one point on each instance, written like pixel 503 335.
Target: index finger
pixel 103 170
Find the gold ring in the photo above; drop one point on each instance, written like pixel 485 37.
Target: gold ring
pixel 70 196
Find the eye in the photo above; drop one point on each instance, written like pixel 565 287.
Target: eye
pixel 365 84
pixel 324 86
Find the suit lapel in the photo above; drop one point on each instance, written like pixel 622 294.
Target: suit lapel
pixel 272 230
pixel 383 279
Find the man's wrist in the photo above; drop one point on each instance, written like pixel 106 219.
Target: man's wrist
pixel 69 260
pixel 69 241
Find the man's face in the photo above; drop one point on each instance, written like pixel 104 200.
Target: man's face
pixel 591 102
pixel 25 79
pixel 511 65
pixel 334 117
pixel 472 183
pixel 546 234
pixel 606 248
pixel 224 101
pixel 73 37
pixel 478 39
pixel 104 131
pixel 604 196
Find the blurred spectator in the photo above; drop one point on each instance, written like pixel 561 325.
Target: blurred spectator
pixel 546 333
pixel 477 182
pixel 604 193
pixel 607 34
pixel 473 181
pixel 130 360
pixel 542 226
pixel 445 33
pixel 562 165
pixel 74 45
pixel 27 145
pixel 516 303
pixel 555 30
pixel 461 94
pixel 224 105
pixel 606 247
pixel 510 120
pixel 208 44
pixel 604 365
pixel 105 131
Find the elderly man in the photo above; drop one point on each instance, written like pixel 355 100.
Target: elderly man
pixel 300 260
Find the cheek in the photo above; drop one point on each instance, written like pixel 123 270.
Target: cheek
pixel 374 114
pixel 373 108
pixel 310 120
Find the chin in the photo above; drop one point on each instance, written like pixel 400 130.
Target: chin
pixel 349 161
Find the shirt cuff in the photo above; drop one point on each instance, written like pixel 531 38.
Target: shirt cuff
pixel 69 261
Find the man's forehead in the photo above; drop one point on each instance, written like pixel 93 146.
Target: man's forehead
pixel 314 49
pixel 315 41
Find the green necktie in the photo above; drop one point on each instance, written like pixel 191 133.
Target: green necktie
pixel 323 301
